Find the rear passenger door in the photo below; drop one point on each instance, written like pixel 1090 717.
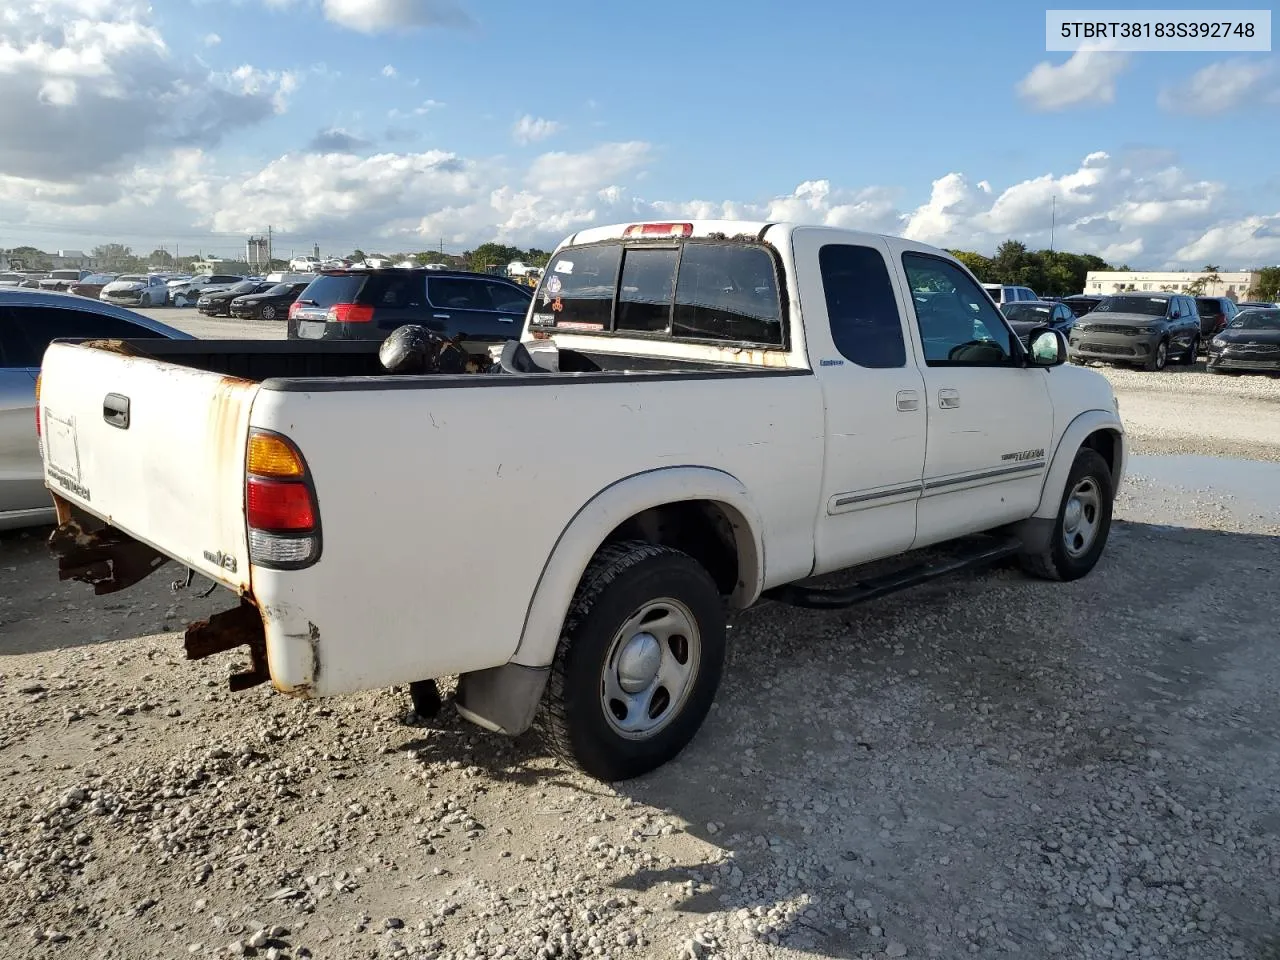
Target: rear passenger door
pixel 482 311
pixel 874 399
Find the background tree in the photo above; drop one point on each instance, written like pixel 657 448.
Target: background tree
pixel 114 256
pixel 32 258
pixel 356 255
pixel 160 257
pixel 1200 285
pixel 1267 286
pixel 978 265
pixel 491 255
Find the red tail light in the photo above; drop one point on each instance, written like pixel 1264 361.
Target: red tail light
pixel 279 504
pixel 294 308
pixel 350 313
pixel 659 230
pixel 39 436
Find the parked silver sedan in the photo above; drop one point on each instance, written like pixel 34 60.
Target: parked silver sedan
pixel 29 320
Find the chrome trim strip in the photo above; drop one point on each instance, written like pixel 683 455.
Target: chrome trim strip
pixel 1031 466
pixel 848 499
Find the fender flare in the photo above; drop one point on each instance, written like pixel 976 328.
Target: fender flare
pixel 1089 422
pixel 618 502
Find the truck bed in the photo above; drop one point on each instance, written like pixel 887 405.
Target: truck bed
pixel 290 362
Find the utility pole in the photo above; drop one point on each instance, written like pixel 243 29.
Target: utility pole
pixel 1053 220
pixel 268 247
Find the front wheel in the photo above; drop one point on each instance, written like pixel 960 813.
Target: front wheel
pixel 1159 358
pixel 144 300
pixel 638 663
pixel 1083 522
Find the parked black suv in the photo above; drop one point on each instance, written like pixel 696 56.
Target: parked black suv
pixel 369 304
pixel 1082 303
pixel 1215 314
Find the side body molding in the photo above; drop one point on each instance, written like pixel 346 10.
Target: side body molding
pixel 620 501
pixel 1081 427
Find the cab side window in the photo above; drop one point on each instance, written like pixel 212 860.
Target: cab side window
pixel 958 325
pixel 861 307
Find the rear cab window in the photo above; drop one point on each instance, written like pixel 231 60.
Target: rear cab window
pixel 326 290
pixel 709 291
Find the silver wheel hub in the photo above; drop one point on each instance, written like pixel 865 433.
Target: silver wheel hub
pixel 638 665
pixel 1082 517
pixel 650 669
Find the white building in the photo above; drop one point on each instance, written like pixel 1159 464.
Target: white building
pixel 1233 285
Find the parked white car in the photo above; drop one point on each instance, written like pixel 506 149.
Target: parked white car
pixel 748 405
pixel 137 290
pixel 188 291
pixel 304 264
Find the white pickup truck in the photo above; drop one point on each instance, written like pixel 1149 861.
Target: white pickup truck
pixel 697 415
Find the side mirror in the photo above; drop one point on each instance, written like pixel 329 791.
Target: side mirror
pixel 1047 347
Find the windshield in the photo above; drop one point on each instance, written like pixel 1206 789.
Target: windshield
pixel 98 278
pixel 65 275
pixel 130 278
pixel 1027 312
pixel 1147 306
pixel 1256 320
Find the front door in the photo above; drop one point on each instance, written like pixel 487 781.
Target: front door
pixel 990 418
pixel 874 396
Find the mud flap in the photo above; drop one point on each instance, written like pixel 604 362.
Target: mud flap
pixel 502 699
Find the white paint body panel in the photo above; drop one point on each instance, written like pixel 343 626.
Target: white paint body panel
pixel 457 520
pixel 175 477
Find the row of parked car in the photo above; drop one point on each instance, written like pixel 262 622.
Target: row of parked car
pixel 1151 330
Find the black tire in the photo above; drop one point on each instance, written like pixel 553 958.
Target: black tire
pixel 268 312
pixel 620 581
pixel 1193 351
pixel 1159 358
pixel 425 696
pixel 1057 562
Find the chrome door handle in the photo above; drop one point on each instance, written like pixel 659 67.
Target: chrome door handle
pixel 440 316
pixel 908 400
pixel 506 320
pixel 948 399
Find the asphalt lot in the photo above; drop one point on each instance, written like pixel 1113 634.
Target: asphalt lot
pixel 988 766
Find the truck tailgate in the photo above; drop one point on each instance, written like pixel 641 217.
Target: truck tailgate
pixel 156 450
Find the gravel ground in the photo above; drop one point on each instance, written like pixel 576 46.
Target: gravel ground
pixel 989 766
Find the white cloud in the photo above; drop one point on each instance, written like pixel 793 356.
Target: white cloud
pixel 529 129
pixel 388 71
pixel 211 40
pixel 379 16
pixel 590 170
pixel 1222 87
pixel 91 83
pixel 1088 76
pixel 421 110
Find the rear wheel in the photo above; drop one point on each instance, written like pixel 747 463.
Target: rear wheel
pixel 268 312
pixel 1193 351
pixel 1083 522
pixel 1159 358
pixel 638 662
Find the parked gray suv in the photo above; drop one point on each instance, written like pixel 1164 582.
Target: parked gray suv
pixel 1142 328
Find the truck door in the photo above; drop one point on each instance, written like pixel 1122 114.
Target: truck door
pixel 874 397
pixel 990 417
